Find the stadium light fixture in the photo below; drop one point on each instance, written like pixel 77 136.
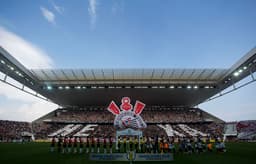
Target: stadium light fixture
pixel 18 73
pixel 84 87
pixel 236 74
pixel 10 67
pixel 244 67
pixel 49 87
pixel 207 87
pixel 240 71
pixel 78 87
pixel 3 62
pixel 67 87
pixel 179 87
pixel 172 86
pixel 140 87
pixel 195 87
pixel 188 87
pixel 60 87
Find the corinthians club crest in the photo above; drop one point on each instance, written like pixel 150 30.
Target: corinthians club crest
pixel 127 117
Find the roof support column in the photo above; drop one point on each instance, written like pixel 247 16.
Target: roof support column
pixel 253 78
pixel 5 78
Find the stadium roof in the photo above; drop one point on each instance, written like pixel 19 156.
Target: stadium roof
pixel 128 76
pixel 85 87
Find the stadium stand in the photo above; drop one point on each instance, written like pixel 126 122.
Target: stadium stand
pixel 97 121
pixel 101 115
pixel 13 130
pixel 246 130
pixel 162 120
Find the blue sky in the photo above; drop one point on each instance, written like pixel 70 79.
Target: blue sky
pixel 130 34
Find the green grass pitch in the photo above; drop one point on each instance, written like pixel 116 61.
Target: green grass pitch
pixel 38 153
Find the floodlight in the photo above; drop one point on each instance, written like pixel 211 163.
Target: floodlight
pixel 49 87
pixel 236 74
pixel 3 62
pixel 195 87
pixel 11 68
pixel 78 87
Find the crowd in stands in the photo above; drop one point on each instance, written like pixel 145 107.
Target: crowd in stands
pixel 149 115
pixel 42 130
pixel 213 128
pixel 12 130
pixel 246 130
pixel 152 115
pixel 87 116
pixel 167 130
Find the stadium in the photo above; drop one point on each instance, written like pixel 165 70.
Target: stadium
pixel 111 115
pixel 170 96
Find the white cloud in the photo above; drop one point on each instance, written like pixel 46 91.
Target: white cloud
pixel 25 52
pixel 48 15
pixel 15 104
pixel 92 9
pixel 59 9
pixel 21 106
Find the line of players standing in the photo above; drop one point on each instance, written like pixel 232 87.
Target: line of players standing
pixel 167 145
pixel 125 144
pixel 80 145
